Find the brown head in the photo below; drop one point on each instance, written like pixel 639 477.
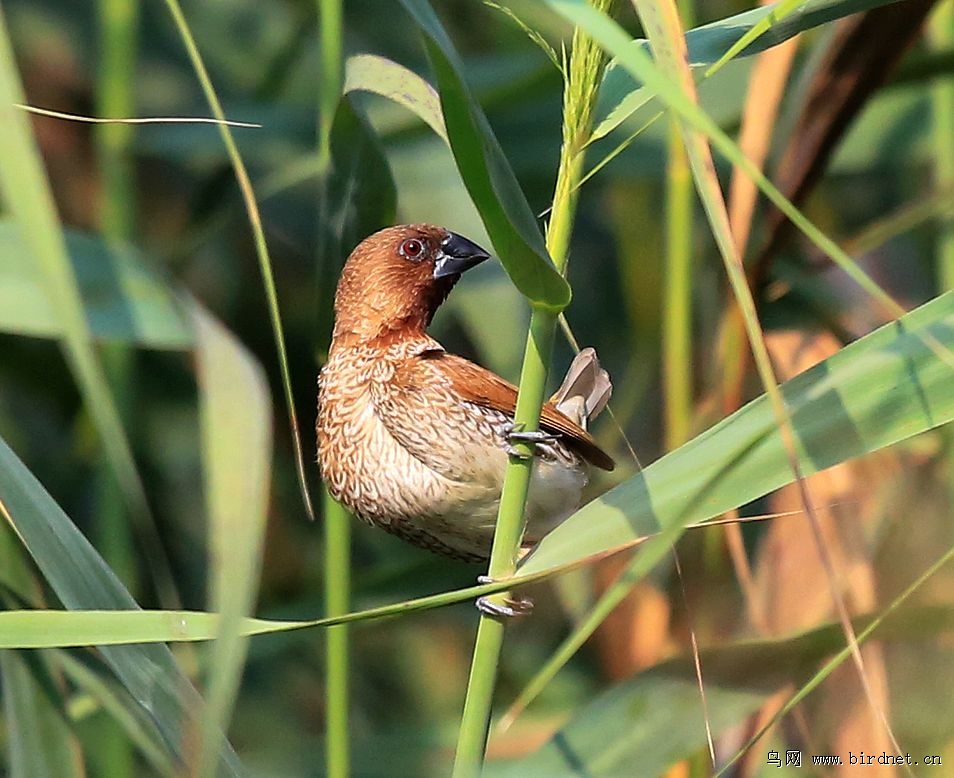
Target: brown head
pixel 394 281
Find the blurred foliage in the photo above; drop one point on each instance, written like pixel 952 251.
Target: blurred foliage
pixel 890 513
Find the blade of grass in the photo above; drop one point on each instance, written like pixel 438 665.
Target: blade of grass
pixel 677 308
pixel 261 249
pixel 235 414
pixel 118 21
pixel 115 96
pixel 337 551
pixel 677 332
pixel 132 120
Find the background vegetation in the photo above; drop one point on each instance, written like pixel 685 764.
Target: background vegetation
pixel 141 389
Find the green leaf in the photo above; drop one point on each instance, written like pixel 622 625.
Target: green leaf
pixel 487 174
pixel 621 95
pixel 236 417
pixel 122 299
pixel 883 388
pixel 82 580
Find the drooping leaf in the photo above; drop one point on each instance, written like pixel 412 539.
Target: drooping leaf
pixel 487 174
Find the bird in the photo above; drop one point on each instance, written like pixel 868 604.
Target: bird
pixel 416 440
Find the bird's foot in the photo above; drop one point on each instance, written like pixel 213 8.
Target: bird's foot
pixel 533 437
pixel 512 606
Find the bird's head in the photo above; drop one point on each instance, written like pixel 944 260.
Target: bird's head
pixel 394 281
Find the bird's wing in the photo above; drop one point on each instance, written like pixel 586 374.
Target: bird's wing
pixel 478 385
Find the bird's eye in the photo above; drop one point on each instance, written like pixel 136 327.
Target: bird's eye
pixel 412 248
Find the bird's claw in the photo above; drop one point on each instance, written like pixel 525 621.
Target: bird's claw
pixel 533 437
pixel 512 606
pixel 520 606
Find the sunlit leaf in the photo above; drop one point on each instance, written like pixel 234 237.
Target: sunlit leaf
pixel 883 388
pixel 371 73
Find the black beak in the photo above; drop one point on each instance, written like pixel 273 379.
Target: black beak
pixel 456 255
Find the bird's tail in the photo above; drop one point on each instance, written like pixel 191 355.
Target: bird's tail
pixel 585 390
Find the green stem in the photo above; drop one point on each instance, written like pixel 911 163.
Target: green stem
pixel 115 97
pixel 677 308
pixel 337 521
pixel 337 602
pixel 584 72
pixel 942 104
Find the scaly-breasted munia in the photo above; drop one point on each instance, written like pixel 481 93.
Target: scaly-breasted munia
pixel 416 440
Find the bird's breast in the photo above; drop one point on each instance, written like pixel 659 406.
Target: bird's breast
pixel 422 463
